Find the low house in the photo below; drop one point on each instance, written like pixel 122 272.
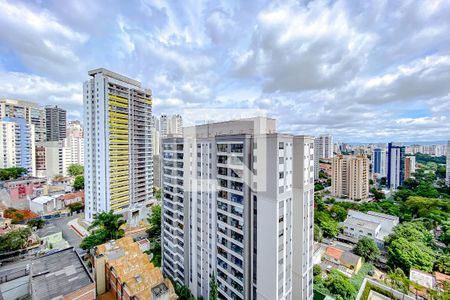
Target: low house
pixel 344 261
pixel 60 275
pixel 46 204
pixel 436 281
pixel 373 290
pixel 122 271
pixel 72 198
pixel 373 225
pixel 51 237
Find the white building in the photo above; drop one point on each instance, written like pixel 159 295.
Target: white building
pixel 238 202
pixel 118 169
pixel 171 125
pixel 325 146
pixel 17 147
pixel 379 162
pixel 46 204
pixel 373 225
pixel 74 143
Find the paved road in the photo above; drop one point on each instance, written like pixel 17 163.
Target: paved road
pixel 68 233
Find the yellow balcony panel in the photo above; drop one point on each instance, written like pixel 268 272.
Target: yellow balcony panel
pixel 119 179
pixel 118 188
pixel 122 205
pixel 114 124
pixel 112 102
pixel 118 98
pixel 121 167
pixel 122 136
pixel 118 199
pixel 118 115
pixel 118 146
pixel 118 120
pixel 118 172
pixel 119 194
pixel 119 157
pixel 118 130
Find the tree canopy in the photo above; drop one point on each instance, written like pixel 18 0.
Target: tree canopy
pixel 14 240
pixel 106 226
pixel 367 249
pixel 12 173
pixel 78 183
pixel 75 170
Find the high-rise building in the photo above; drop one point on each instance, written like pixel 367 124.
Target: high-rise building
pixel 118 148
pixel 74 143
pixel 316 158
pixel 171 125
pixel 379 162
pixel 56 126
pixel 396 166
pixel 17 144
pixel 448 163
pixel 31 112
pixel 325 146
pixel 238 203
pixel 410 166
pixel 350 177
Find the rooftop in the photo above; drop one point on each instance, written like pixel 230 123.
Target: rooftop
pixel 350 258
pixel 133 267
pixel 381 215
pixel 43 199
pixel 114 75
pixel 58 274
pixel 361 223
pixel 334 252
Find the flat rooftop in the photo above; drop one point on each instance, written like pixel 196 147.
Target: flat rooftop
pixel 361 223
pixel 58 274
pixel 47 230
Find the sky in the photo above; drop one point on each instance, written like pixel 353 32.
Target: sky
pixel 364 71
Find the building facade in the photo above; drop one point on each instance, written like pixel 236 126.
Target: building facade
pixel 325 146
pixel 17 147
pixel 396 166
pixel 238 203
pixel 74 143
pixel 118 148
pixel 379 162
pixel 56 126
pixel 31 112
pixel 350 177
pixel 410 166
pixel 171 125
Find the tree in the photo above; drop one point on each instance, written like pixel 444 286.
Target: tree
pixel 378 195
pixel 12 173
pixel 327 224
pixel 78 183
pixel 38 223
pixel 339 213
pixel 322 174
pixel 75 170
pixel 340 285
pixel 398 280
pixel 317 270
pixel 154 234
pixel 406 254
pixel 426 189
pixel 76 207
pixel 411 231
pixel 317 233
pixel 367 249
pixel 106 226
pixel 213 288
pixel 14 240
pixel 443 263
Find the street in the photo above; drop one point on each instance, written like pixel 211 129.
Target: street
pixel 68 233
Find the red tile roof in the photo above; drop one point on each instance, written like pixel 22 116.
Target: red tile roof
pixel 334 252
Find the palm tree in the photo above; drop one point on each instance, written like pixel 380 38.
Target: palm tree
pixel 110 223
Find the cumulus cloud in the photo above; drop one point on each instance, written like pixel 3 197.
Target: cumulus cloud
pixel 363 71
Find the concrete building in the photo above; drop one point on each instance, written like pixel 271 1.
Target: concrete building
pixel 379 162
pixel 56 123
pixel 51 237
pixel 74 143
pixel 171 125
pixel 396 166
pixel 122 271
pixel 46 204
pixel 373 225
pixel 23 189
pixel 33 114
pixel 17 148
pixel 325 146
pixel 118 168
pixel 238 203
pixel 410 166
pixel 55 159
pixel 448 163
pixel 350 177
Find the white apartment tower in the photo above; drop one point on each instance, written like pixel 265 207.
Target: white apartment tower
pixel 238 203
pixel 118 147
pixel 17 144
pixel 171 125
pixel 74 143
pixel 325 146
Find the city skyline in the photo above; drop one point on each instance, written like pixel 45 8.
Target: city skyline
pixel 190 59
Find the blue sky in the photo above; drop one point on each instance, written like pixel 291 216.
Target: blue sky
pixel 361 70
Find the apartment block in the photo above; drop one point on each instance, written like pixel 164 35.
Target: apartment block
pixel 171 125
pixel 410 166
pixel 56 126
pixel 325 146
pixel 379 162
pixel 118 146
pixel 33 114
pixel 238 203
pixel 350 177
pixel 17 148
pixel 396 166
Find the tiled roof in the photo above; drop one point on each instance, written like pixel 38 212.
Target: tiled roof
pixel 334 252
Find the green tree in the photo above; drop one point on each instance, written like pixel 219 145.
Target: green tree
pixel 75 170
pixel 76 207
pixel 154 234
pixel 377 194
pixel 413 232
pixel 106 226
pixel 14 240
pixel 327 224
pixel 339 213
pixel 426 189
pixel 213 294
pixel 38 223
pixel 406 254
pixel 443 263
pixel 367 249
pixel 12 173
pixel 445 236
pixel 317 233
pixel 78 183
pixel 398 280
pixel 317 270
pixel 340 285
pixel 322 174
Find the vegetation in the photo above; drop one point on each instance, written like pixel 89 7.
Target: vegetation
pixel 154 234
pixel 182 291
pixel 78 183
pixel 75 170
pixel 12 173
pixel 19 215
pixel 38 223
pixel 213 288
pixel 328 225
pixel 76 207
pixel 425 158
pixel 157 193
pixel 339 285
pixel 14 240
pixel 367 249
pixel 106 226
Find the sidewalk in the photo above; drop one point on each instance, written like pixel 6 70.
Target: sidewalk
pixel 80 230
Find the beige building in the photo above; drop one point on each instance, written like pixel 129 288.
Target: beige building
pixel 350 176
pixel 410 166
